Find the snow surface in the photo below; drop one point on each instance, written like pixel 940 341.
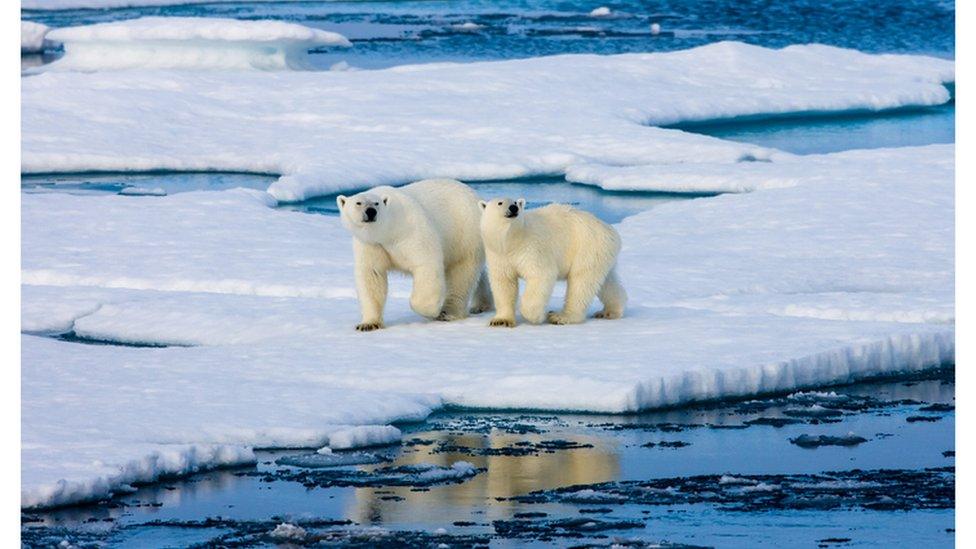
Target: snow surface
pixel 198 43
pixel 333 131
pixel 727 299
pixel 32 37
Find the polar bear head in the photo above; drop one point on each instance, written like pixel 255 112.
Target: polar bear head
pixel 366 215
pixel 502 209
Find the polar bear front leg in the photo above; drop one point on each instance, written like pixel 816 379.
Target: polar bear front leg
pixel 429 289
pixel 538 290
pixel 372 263
pixel 504 289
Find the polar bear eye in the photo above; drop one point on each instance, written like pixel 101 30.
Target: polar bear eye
pixel 359 203
pixel 499 203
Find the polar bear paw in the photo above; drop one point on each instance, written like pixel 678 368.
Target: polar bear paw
pixel 481 308
pixel 560 318
pixel 368 326
pixel 607 315
pixel 448 317
pixel 502 322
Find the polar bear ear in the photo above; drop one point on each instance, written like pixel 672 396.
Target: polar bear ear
pixel 521 203
pixel 483 204
pixel 341 201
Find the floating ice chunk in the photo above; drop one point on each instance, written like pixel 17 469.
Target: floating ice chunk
pixel 468 26
pixel 655 28
pixel 32 37
pixel 143 191
pixel 426 473
pixel 364 435
pixel 289 532
pixel 602 11
pixel 200 43
pixel 811 441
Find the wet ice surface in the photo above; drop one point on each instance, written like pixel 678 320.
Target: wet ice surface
pixel 713 475
pixel 608 205
pixel 825 134
pixel 392 33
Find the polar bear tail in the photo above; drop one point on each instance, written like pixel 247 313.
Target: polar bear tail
pixel 482 301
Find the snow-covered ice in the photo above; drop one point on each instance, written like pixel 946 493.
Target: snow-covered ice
pixel 602 11
pixel 476 121
pixel 275 361
pixel 198 43
pixel 32 37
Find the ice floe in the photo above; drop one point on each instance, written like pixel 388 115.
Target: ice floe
pixel 197 43
pixel 274 360
pixel 331 131
pixel 32 37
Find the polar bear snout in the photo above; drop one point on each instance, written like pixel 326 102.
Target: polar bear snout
pixel 513 211
pixel 369 215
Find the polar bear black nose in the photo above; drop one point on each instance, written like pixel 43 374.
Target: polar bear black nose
pixel 370 213
pixel 513 209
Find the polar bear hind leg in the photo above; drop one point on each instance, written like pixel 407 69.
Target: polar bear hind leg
pixel 613 296
pixel 482 295
pixel 461 279
pixel 581 288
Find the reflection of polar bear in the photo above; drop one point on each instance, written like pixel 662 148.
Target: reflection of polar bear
pixel 428 229
pixel 556 242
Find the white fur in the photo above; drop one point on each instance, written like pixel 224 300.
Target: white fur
pixel 428 229
pixel 556 242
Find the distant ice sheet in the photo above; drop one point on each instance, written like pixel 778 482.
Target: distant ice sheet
pixel 333 131
pixel 188 43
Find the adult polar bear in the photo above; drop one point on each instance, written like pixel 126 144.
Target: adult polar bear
pixel 429 229
pixel 556 242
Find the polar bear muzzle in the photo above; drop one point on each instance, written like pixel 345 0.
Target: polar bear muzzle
pixel 369 215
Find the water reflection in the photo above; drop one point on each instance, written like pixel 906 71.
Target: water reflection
pixel 505 476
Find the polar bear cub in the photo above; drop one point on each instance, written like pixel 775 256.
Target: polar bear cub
pixel 556 242
pixel 428 229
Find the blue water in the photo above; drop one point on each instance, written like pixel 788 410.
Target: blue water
pixel 841 132
pixel 392 33
pixel 613 450
pixel 610 206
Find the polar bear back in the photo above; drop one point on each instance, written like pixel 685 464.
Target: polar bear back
pixel 566 237
pixel 451 207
